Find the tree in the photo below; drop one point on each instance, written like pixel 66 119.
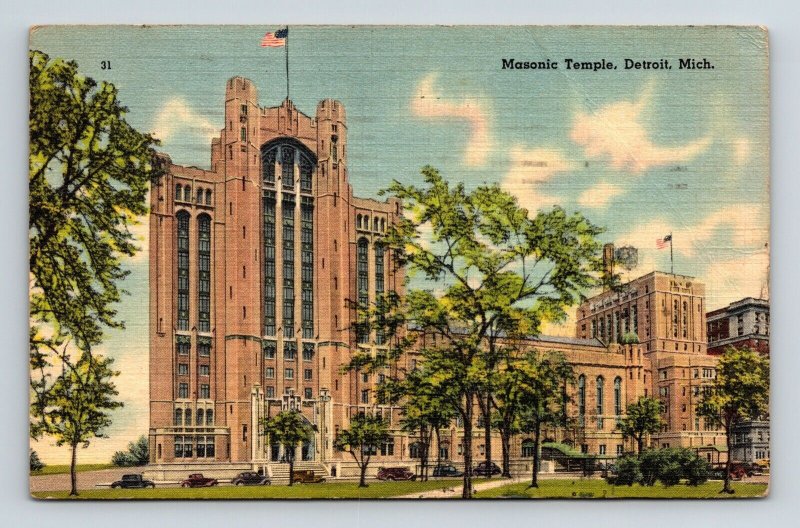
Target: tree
pixel 499 271
pixel 78 405
pixel 288 428
pixel 541 398
pixel 35 463
pixel 89 174
pixel 642 418
pixel 739 393
pixel 138 454
pixel 362 440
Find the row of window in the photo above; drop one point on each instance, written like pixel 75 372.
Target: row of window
pixel 183 391
pixel 184 417
pixel 203 370
pixel 288 373
pixel 269 391
pixel 362 285
pixel 289 350
pixel 285 157
pixel 203 347
pixel 613 326
pixel 185 447
pixel 183 193
pixel 600 393
pixel 204 271
pixel 378 224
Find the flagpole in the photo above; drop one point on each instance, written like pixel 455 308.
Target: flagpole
pixel 671 262
pixel 287 62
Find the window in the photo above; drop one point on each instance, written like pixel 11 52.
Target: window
pixel 178 417
pixel 288 373
pixel 387 448
pixel 365 377
pixel 183 270
pixel 289 351
pixel 287 166
pixel 620 449
pixel 307 266
pixel 308 393
pixel 527 448
pixel 187 194
pixel 308 351
pixel 209 417
pixel 306 171
pixel 178 189
pixel 364 396
pixel 204 277
pixel 183 369
pixel 204 347
pixel 244 432
pixel 178 447
pixel 269 372
pixel 205 370
pixel 243 134
pixel 208 197
pixel 268 166
pixel 362 287
pixel 581 399
pixel 685 319
pixel 269 261
pixel 199 196
pixel 183 390
pixel 269 391
pixel 288 265
pixel 269 349
pixel 200 417
pixel 380 336
pixel 187 416
pixel 618 397
pixel 205 391
pixel 183 347
pixel 308 374
pixel 600 389
pixel 414 450
pixel 602 449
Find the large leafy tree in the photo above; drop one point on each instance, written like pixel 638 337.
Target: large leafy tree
pixel 89 174
pixel 288 428
pixel 362 440
pixel 642 418
pixel 497 270
pixel 739 393
pixel 79 405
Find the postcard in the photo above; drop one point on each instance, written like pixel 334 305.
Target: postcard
pixel 399 262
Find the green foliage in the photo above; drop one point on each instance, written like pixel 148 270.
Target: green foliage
pixel 89 174
pixel 138 454
pixel 35 463
pixel 642 417
pixel 670 466
pixel 631 338
pixel 628 471
pixel 288 428
pixel 362 440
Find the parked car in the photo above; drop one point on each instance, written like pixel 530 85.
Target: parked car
pixel 307 476
pixel 134 480
pixel 482 470
pixel 447 470
pixel 395 473
pixel 197 480
pixel 250 478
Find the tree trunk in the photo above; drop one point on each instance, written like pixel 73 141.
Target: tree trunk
pixel 640 442
pixel 438 448
pixel 291 469
pixel 487 434
pixel 466 492
pixel 73 472
pixel 505 445
pixel 726 488
pixel 362 483
pixel 535 471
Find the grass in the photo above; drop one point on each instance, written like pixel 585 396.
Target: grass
pixel 600 489
pixel 327 490
pixel 64 468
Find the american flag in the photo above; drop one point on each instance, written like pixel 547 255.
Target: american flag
pixel 661 243
pixel 275 40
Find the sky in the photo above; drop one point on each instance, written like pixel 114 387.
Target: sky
pixel 643 153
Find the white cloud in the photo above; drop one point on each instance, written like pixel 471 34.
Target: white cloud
pixel 530 172
pixel 732 279
pixel 599 195
pixel 741 150
pixel 615 131
pixel 427 102
pixel 177 115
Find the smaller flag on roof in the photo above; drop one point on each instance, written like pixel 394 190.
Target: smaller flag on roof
pixel 275 40
pixel 661 243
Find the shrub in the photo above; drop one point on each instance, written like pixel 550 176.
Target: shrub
pixel 628 472
pixel 671 465
pixel 36 463
pixel 138 454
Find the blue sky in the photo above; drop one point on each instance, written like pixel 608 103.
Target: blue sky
pixel 642 153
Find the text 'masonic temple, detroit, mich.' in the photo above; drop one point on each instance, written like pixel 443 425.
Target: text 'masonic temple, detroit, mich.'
pixel 253 267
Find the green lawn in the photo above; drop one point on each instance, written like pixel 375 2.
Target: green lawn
pixel 64 468
pixel 332 490
pixel 600 489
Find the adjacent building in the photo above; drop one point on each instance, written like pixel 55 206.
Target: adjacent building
pixel 741 324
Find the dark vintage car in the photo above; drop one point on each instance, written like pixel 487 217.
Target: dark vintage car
pixel 134 480
pixel 482 470
pixel 395 473
pixel 307 476
pixel 447 470
pixel 250 478
pixel 197 480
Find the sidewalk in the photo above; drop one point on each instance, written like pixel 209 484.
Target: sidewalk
pixel 478 484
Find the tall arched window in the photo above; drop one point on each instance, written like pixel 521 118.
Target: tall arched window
pixel 188 417
pixel 288 152
pixel 199 417
pixel 187 194
pixel 208 196
pixel 287 166
pixel 380 336
pixel 358 221
pixel 307 266
pixel 362 286
pixel 581 399
pixel 600 389
pixel 204 273
pixel 269 262
pixel 617 397
pixel 178 191
pixel 178 416
pixel 288 205
pixel 200 195
pixel 210 417
pixel 183 270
